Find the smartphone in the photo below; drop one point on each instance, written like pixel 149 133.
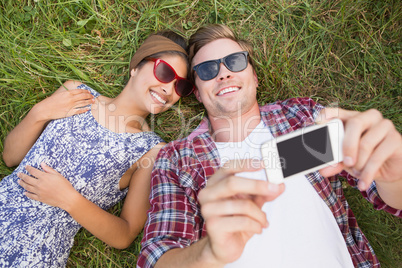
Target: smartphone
pixel 303 151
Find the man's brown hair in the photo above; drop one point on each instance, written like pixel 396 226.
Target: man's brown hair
pixel 212 32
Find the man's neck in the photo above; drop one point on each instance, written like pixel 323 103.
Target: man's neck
pixel 234 128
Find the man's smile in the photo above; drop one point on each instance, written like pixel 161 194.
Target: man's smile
pixel 227 90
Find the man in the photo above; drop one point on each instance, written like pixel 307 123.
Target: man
pixel 207 212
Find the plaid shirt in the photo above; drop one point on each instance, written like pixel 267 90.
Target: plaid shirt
pixel 184 166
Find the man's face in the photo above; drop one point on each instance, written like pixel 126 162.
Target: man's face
pixel 229 93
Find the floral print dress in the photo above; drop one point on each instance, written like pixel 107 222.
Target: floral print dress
pixel 93 159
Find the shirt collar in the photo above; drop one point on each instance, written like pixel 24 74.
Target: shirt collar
pixel 204 125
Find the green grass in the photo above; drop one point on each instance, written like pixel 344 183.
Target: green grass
pixel 342 53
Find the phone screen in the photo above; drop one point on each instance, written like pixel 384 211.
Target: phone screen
pixel 305 151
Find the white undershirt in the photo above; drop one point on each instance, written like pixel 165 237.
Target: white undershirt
pixel 302 230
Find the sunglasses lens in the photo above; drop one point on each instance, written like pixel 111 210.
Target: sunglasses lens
pixel 208 70
pixel 184 87
pixel 164 72
pixel 236 62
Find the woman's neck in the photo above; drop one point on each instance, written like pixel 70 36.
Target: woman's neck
pixel 119 115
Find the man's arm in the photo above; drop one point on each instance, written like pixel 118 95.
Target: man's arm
pixel 231 207
pixel 173 219
pixel 372 150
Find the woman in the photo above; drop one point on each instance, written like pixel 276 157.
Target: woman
pixel 100 146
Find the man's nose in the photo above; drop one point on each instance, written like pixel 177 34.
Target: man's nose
pixel 224 73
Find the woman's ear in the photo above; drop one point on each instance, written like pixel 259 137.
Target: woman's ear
pixel 133 71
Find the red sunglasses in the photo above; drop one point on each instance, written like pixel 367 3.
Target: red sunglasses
pixel 165 73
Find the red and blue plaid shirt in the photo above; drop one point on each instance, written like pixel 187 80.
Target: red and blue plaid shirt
pixel 184 166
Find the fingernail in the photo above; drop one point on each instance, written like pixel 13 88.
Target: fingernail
pixel 356 173
pixel 362 185
pixel 348 161
pixel 273 188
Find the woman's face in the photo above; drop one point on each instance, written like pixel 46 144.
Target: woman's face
pixel 154 96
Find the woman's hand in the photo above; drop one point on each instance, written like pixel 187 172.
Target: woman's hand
pixel 47 186
pixel 64 103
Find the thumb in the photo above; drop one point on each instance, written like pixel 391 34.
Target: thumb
pixel 232 167
pixel 328 114
pixel 48 169
pixel 331 170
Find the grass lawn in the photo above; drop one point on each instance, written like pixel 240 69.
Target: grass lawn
pixel 340 53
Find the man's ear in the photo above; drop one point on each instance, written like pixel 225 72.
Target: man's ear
pixel 255 78
pixel 197 95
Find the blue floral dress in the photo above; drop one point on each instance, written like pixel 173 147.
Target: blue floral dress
pixel 93 159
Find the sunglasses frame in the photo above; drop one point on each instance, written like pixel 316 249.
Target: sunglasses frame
pixel 178 78
pixel 222 60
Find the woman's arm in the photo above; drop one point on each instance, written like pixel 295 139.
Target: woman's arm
pixel 64 102
pixel 119 232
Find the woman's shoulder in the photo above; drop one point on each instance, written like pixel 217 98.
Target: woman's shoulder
pixel 91 90
pixel 71 84
pixel 74 84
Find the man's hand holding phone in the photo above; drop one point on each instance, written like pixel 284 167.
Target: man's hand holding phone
pixel 303 151
pixel 372 147
pixel 364 144
pixel 372 150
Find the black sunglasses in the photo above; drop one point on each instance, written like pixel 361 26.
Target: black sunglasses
pixel 235 62
pixel 165 73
